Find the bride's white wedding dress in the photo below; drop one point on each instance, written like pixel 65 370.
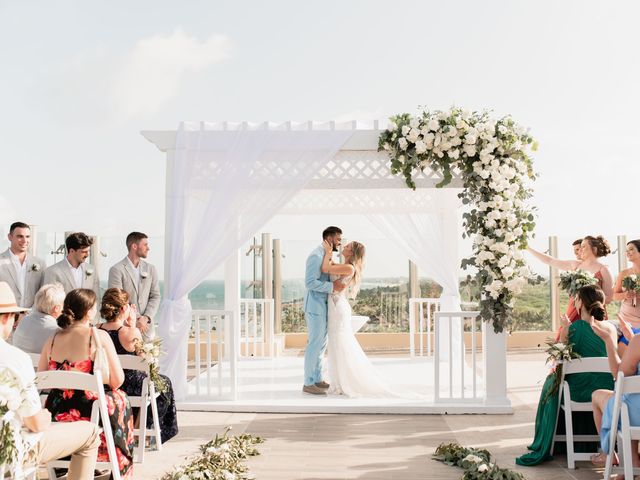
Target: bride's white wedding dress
pixel 350 371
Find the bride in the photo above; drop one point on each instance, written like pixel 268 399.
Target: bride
pixel 350 370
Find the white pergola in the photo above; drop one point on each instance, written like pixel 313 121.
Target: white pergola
pixel 346 164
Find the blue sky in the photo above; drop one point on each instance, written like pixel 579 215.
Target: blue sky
pixel 80 79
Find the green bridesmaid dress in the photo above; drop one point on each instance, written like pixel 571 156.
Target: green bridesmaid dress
pixel 586 344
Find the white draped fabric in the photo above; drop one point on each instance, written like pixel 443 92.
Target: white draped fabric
pixel 224 185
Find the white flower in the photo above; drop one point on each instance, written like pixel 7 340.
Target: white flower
pixel 421 147
pixel 500 247
pixel 405 130
pixel 454 153
pixel 228 475
pixel 415 123
pixel 473 458
pixel 507 272
pixel 392 126
pixel 414 134
pixel 453 131
pixel 144 274
pixel 386 146
pixel 483 468
pixel 469 150
pixel 403 143
pixel 89 272
pixel 433 125
pixel 35 267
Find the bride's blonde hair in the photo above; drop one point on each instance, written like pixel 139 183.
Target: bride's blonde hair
pixel 357 260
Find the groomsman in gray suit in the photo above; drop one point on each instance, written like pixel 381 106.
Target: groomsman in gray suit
pixel 139 279
pixel 21 270
pixel 73 271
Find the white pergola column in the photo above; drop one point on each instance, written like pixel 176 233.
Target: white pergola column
pixel 232 289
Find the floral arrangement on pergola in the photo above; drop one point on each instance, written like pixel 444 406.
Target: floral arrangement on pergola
pixel 493 158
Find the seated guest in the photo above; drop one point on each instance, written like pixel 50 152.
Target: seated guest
pixel 603 399
pixel 120 324
pixel 74 348
pixel 54 441
pixel 590 303
pixel 34 329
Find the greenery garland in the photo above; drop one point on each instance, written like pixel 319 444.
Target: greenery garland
pixel 492 157
pixel 219 459
pixel 477 463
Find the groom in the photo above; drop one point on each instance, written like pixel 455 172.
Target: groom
pixel 318 287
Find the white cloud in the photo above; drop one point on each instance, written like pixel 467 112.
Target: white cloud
pixel 152 72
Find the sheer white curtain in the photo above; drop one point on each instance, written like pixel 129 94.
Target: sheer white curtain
pixel 430 240
pixel 223 186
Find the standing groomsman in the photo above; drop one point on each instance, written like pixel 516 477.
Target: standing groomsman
pixel 22 271
pixel 139 279
pixel 73 271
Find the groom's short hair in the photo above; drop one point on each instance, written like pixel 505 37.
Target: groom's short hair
pixel 78 241
pixel 134 237
pixel 330 231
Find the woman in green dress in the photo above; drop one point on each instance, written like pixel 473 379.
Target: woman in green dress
pixel 589 301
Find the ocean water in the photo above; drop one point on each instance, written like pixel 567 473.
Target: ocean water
pixel 210 293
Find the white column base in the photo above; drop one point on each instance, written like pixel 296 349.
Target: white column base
pixel 494 348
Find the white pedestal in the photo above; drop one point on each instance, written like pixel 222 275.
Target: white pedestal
pixel 494 347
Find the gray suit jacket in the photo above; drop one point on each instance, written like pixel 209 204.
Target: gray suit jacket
pixel 147 299
pixel 33 281
pixel 61 273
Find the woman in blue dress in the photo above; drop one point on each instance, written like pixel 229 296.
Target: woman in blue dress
pixel 603 399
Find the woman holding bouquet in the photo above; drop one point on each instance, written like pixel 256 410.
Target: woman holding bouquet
pixel 591 249
pixel 626 290
pixel 589 301
pixel 120 321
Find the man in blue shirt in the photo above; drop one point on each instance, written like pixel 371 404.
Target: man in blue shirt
pixel 318 287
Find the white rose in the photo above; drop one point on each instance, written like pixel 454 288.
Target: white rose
pixel 483 468
pixel 509 237
pixel 445 145
pixel 469 150
pixel 421 147
pixel 454 153
pixel 413 135
pixel 485 174
pixel 502 129
pixel 455 141
pixel 403 143
pixel 507 272
pixel 429 139
pixel 433 125
pixel 405 130
pixel 414 122
pixel 453 131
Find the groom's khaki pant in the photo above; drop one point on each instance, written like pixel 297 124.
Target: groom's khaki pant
pixel 79 439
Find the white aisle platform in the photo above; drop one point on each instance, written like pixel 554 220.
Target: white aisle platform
pixel 275 386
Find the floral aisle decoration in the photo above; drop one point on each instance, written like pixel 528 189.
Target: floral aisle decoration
pixel 572 281
pixel 16 451
pixel 151 352
pixel 476 463
pixel 631 283
pixel 558 353
pixel 219 459
pixel 492 157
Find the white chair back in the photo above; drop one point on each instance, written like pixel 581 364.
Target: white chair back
pixel 73 380
pixel 586 365
pixel 147 397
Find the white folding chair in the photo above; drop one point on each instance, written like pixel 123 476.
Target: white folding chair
pixel 578 365
pixel 147 397
pixel 626 432
pixel 67 379
pixel 35 359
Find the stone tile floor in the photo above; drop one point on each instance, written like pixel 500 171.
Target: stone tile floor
pixel 375 447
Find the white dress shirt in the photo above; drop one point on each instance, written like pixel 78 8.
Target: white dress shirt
pixel 137 271
pixel 77 274
pixel 21 270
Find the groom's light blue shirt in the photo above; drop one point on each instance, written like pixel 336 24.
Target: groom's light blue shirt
pixel 318 285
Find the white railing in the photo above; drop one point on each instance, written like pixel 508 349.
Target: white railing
pixel 220 364
pixel 257 327
pixel 424 322
pixel 449 337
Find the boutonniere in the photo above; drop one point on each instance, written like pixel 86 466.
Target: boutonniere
pixel 144 274
pixel 35 267
pixel 89 272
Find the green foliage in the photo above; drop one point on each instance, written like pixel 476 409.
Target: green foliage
pixel 476 463
pixel 219 459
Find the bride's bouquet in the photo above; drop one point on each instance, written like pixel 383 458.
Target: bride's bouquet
pixel 631 283
pixel 16 451
pixel 572 281
pixel 151 352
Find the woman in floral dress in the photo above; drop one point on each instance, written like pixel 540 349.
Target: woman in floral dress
pixel 73 348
